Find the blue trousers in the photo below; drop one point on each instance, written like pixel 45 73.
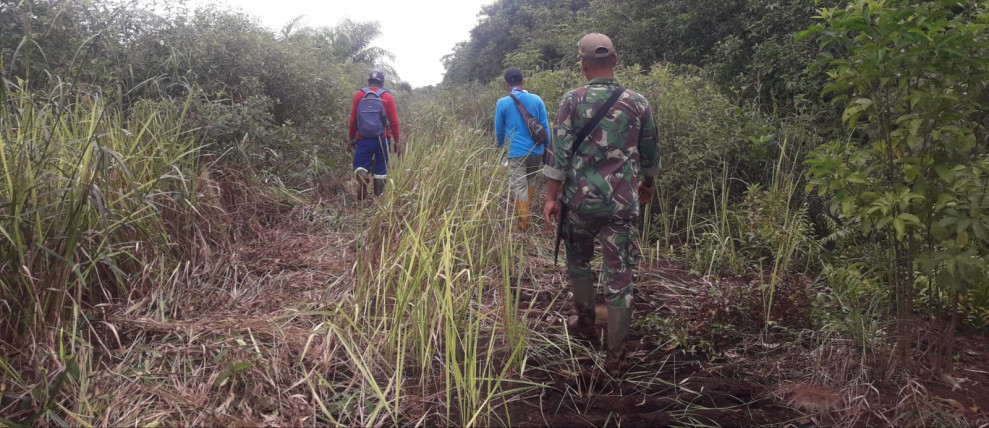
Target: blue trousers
pixel 372 152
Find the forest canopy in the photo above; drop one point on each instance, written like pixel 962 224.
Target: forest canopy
pixel 747 46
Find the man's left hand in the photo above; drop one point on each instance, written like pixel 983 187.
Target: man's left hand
pixel 398 147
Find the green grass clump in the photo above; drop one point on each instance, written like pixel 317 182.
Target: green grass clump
pixel 434 315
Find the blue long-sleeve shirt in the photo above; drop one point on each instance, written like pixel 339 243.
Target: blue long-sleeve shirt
pixel 510 124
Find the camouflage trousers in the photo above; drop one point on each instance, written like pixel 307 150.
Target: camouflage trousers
pixel 619 253
pixel 522 172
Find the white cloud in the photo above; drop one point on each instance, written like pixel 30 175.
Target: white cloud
pixel 419 33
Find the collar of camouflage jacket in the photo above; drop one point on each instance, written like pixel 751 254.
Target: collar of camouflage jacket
pixel 604 81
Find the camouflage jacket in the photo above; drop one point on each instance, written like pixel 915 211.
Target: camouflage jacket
pixel 603 176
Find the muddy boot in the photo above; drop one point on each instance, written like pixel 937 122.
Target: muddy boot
pixel 379 186
pixel 522 209
pixel 619 320
pixel 362 182
pixel 582 324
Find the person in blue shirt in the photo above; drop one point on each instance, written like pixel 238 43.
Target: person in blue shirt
pixel 524 156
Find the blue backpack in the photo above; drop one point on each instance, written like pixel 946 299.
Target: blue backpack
pixel 371 117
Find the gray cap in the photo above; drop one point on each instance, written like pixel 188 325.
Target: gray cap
pixel 595 45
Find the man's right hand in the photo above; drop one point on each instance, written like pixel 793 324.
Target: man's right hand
pixel 645 192
pixel 352 145
pixel 551 212
pixel 552 208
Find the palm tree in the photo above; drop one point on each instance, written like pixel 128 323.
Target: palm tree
pixel 352 41
pixel 349 42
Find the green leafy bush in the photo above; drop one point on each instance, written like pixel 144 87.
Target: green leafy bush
pixel 852 305
pixel 912 79
pixel 767 232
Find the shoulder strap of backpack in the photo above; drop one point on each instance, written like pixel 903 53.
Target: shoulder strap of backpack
pixel 589 126
pixel 379 92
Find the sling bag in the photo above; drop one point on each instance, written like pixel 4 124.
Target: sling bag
pixel 536 129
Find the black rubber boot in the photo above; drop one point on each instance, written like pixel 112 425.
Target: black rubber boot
pixel 379 186
pixel 582 324
pixel 619 320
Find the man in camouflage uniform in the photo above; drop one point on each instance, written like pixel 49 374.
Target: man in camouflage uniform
pixel 609 174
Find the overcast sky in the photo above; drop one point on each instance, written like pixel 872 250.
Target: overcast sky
pixel 419 33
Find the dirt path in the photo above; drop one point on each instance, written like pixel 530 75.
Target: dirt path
pixel 700 356
pixel 790 374
pixel 698 353
pixel 664 386
pixel 292 261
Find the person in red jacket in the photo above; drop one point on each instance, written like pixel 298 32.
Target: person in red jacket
pixel 373 128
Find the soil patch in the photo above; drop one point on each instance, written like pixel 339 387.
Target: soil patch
pixel 711 363
pixel 664 385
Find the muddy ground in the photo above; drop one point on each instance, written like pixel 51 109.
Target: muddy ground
pixel 714 364
pixel 700 355
pixel 699 351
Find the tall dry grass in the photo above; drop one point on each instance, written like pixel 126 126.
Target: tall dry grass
pixel 92 208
